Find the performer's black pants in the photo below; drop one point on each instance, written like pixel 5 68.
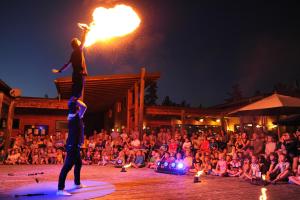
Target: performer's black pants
pixel 77 85
pixel 73 158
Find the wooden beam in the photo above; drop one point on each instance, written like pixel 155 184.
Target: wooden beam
pixel 142 94
pixel 9 124
pixel 129 104
pixel 136 105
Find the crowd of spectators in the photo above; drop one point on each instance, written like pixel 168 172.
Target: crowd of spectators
pixel 243 155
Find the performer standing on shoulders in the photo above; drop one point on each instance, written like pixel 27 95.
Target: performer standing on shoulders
pixel 74 141
pixel 78 63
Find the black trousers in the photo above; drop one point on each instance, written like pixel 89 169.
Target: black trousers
pixel 77 85
pixel 73 158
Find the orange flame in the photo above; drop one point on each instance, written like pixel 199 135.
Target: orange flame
pixel 111 22
pixel 199 173
pixel 128 165
pixel 263 195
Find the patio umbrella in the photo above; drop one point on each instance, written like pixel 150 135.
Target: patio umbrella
pixel 275 105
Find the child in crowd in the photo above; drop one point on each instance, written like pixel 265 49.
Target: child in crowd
pixel 282 169
pixel 120 160
pixel 197 163
pixel 59 157
pixel 235 167
pixel 221 168
pixel 188 160
pixel 254 169
pixel 207 167
pixel 295 179
pixel 105 158
pixel 87 159
pixel 139 161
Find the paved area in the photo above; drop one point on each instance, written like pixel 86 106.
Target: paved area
pixel 147 184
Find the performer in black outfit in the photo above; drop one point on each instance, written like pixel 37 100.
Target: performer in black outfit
pixel 78 63
pixel 73 144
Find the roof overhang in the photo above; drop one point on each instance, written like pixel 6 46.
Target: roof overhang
pixel 101 92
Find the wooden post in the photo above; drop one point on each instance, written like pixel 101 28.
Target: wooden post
pixel 129 104
pixel 136 106
pixel 142 94
pixel 182 121
pixel 9 124
pixel 1 102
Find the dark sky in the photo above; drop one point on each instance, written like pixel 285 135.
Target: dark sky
pixel 201 48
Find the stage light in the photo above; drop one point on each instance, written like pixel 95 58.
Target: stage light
pixel 173 165
pixel 166 164
pixel 180 166
pixel 158 163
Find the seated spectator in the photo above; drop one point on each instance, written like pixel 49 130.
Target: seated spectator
pixel 295 179
pixel 270 145
pixel 13 157
pixel 235 167
pixel 197 163
pixel 221 168
pixel 282 169
pixel 87 158
pixel 120 160
pixel 135 143
pixel 272 160
pixel 207 167
pixel 105 159
pixel 2 156
pixel 188 160
pixel 186 146
pixel 139 161
pixel 254 169
pixel 173 146
pixel 51 155
pixel 155 157
pixel 97 157
pixel 23 159
pixel 59 157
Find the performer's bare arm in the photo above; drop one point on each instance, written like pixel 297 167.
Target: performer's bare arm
pixel 85 30
pixel 82 108
pixel 63 68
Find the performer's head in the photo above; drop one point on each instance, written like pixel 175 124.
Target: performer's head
pixel 75 43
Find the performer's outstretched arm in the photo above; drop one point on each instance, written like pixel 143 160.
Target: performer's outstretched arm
pixel 63 68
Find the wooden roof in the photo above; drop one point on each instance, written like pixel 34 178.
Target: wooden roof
pixel 176 111
pixel 101 92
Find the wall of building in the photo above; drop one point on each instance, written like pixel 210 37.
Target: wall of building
pixel 48 120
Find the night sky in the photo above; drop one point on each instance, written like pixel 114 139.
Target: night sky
pixel 201 48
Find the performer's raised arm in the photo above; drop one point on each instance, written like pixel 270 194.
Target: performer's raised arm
pixel 84 33
pixel 82 108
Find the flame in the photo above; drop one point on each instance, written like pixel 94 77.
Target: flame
pixel 263 195
pixel 111 22
pixel 128 165
pixel 199 173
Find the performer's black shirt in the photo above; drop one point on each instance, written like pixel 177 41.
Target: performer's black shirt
pixel 78 62
pixel 75 136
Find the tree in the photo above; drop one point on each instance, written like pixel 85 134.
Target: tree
pixel 235 94
pixel 151 94
pixel 167 101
